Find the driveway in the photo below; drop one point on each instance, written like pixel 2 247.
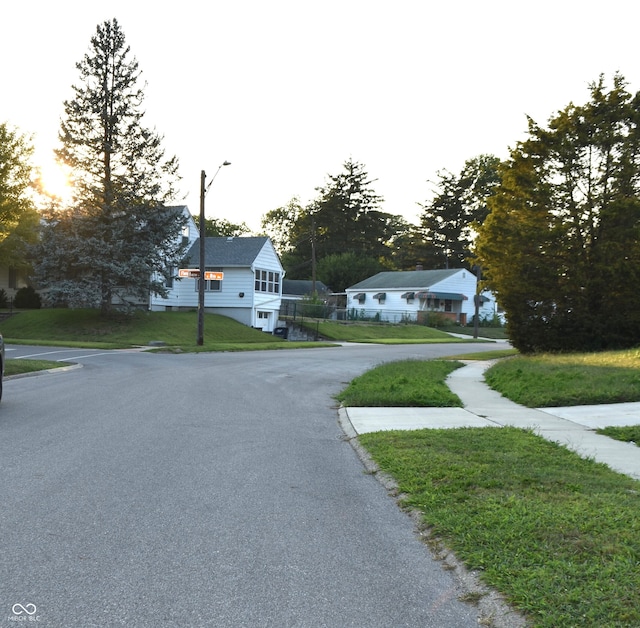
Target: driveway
pixel 206 490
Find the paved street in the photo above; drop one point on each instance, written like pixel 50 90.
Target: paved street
pixel 205 490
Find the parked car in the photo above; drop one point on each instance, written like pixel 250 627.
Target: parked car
pixel 1 363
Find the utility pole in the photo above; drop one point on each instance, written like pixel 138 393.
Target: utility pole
pixel 313 256
pixel 203 266
pixel 200 339
pixel 476 302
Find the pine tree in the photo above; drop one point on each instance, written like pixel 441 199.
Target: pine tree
pixel 119 237
pixel 460 205
pixel 561 245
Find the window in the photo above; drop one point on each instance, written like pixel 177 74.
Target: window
pixel 168 278
pixel 448 305
pixel 267 281
pixel 210 285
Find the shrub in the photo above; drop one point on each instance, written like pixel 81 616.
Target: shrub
pixel 4 299
pixel 28 299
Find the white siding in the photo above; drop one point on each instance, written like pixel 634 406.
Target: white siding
pixel 395 308
pixel 237 297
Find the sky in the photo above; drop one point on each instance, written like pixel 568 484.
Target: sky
pixel 288 90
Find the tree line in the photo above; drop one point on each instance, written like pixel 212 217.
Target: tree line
pixel 555 228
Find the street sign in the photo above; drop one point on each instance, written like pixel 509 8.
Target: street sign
pixel 194 273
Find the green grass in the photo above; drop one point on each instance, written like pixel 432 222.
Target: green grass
pixel 380 333
pixel 18 366
pixel 627 434
pixel 568 379
pixel 404 383
pixel 495 333
pixel 178 330
pixel 558 535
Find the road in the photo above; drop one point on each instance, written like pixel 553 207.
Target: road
pixel 205 490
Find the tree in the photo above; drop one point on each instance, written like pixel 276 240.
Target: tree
pixel 18 215
pixel 340 270
pixel 119 237
pixel 460 205
pixel 561 246
pixel 346 217
pixel 278 224
pixel 221 227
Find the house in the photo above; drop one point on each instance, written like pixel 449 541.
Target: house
pixel 250 289
pixel 412 295
pixel 11 280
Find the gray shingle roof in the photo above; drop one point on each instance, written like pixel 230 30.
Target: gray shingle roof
pixel 241 251
pixel 405 279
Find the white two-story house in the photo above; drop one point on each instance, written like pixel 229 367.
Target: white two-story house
pixel 250 290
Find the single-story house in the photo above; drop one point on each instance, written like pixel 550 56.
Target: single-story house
pixel 395 296
pixel 250 289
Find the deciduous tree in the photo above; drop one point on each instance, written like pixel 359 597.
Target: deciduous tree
pixel 18 216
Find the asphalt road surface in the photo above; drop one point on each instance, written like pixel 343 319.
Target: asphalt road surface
pixel 204 490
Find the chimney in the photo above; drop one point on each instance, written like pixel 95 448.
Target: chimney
pixel 419 267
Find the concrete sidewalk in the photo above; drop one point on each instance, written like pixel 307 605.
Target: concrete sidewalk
pixel 484 407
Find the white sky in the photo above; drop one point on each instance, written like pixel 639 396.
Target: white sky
pixel 287 90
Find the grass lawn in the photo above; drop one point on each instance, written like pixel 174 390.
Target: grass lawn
pixel 18 366
pixel 568 379
pixel 380 333
pixel 558 535
pixel 177 330
pixel 405 383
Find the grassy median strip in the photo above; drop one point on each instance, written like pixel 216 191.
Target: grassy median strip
pixel 557 534
pixel 405 383
pixel 19 366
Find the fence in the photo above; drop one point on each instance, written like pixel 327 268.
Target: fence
pixel 301 310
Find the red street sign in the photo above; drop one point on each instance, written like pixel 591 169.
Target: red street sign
pixel 194 273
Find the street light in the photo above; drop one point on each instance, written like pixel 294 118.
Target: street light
pixel 203 193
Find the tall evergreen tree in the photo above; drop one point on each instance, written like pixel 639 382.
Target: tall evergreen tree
pixel 346 217
pixel 561 246
pixel 448 221
pixel 119 236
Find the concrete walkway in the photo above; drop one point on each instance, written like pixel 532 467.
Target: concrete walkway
pixel 484 407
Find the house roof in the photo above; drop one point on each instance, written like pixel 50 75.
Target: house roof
pixel 240 251
pixel 405 279
pixel 301 287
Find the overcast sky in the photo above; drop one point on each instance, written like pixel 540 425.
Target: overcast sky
pixel 288 90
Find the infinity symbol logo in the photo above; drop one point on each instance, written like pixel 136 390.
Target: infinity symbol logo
pixel 29 609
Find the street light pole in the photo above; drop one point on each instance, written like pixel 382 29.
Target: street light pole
pixel 203 266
